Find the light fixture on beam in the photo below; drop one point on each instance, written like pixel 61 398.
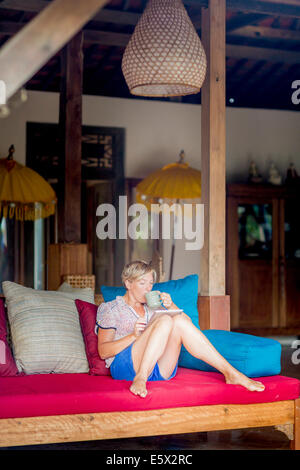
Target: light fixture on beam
pixel 164 56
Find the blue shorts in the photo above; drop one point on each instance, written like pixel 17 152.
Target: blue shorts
pixel 122 367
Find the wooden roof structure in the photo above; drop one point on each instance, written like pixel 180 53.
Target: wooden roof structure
pixel 262 49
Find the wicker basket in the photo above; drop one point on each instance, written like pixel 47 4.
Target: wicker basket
pixel 80 280
pixel 83 281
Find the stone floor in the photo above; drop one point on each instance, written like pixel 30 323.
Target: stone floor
pixel 244 439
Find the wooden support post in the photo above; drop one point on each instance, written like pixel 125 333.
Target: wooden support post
pixel 214 312
pixel 295 444
pixel 70 123
pixel 69 256
pixel 213 163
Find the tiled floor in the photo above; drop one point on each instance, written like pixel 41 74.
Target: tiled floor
pixel 248 439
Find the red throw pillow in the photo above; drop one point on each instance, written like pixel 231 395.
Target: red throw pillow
pixel 87 316
pixel 7 363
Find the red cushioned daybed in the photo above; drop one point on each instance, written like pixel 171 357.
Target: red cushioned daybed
pixel 49 408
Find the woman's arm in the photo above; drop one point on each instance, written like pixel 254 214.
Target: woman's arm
pixel 109 347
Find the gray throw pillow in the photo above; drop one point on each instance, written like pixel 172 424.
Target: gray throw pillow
pixel 83 293
pixel 45 330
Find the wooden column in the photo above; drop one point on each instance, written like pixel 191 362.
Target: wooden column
pixel 70 123
pixel 69 256
pixel 295 444
pixel 213 167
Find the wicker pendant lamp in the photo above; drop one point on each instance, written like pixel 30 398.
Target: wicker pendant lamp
pixel 164 56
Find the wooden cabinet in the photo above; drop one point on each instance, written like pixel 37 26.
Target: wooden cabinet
pixel 263 258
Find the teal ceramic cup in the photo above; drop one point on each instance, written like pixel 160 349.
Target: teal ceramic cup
pixel 153 299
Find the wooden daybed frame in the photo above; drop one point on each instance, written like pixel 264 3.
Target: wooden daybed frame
pixel 86 427
pixel 285 415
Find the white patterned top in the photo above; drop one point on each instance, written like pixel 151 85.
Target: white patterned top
pixel 120 316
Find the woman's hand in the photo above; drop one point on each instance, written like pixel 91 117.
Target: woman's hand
pixel 166 300
pixel 139 327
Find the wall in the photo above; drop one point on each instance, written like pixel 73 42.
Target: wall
pixel 156 132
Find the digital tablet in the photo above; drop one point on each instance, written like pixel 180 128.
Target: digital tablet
pixel 169 312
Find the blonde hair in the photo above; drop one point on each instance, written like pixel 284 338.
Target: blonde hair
pixel 137 269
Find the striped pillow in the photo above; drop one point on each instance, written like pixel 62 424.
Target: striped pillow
pixel 45 330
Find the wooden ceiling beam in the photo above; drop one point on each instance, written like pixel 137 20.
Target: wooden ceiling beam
pixel 261 86
pixel 272 8
pixel 283 2
pixel 262 53
pixel 255 86
pixel 232 72
pixel 120 17
pixel 26 52
pixel 21 5
pixel 106 38
pixel 107 16
pixel 262 32
pixel 234 51
pixel 240 20
pixel 117 17
pixel 97 74
pixel 109 38
pixel 10 27
pixel 238 87
pixel 263 7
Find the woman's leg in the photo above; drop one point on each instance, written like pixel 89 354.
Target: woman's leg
pixel 184 332
pixel 162 342
pixel 147 349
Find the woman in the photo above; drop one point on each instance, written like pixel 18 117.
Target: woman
pixel 141 346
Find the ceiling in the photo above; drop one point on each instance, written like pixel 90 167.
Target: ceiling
pixel 262 49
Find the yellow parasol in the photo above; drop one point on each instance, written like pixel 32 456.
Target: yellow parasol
pixel 176 182
pixel 172 182
pixel 21 189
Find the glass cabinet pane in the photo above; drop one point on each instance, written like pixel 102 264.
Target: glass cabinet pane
pixel 22 252
pixel 255 231
pixel 292 229
pixel 6 250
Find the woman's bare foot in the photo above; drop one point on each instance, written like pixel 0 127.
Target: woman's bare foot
pixel 138 386
pixel 237 378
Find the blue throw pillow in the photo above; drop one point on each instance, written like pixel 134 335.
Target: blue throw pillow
pixel 110 293
pixel 254 356
pixel 184 293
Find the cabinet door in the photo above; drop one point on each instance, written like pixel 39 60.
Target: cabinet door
pixel 252 267
pixel 290 263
